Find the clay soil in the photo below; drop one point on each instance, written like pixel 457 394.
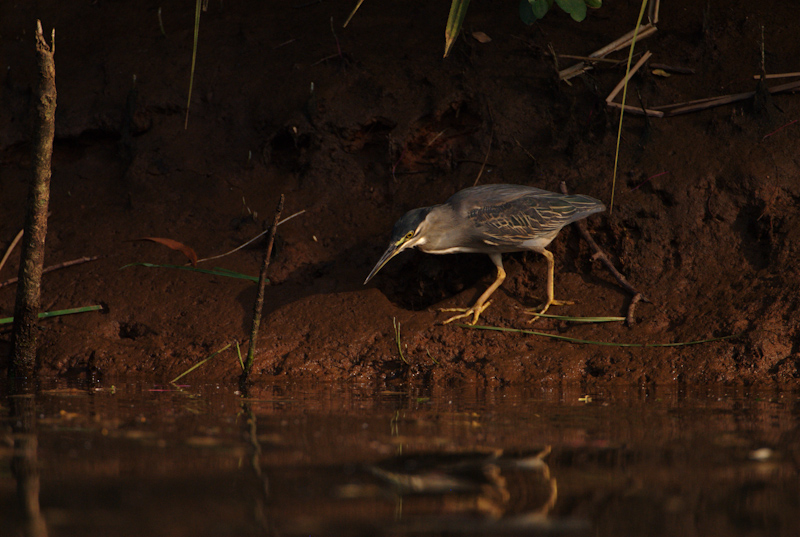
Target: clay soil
pixel 704 223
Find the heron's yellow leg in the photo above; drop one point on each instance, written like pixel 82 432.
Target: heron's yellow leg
pixel 483 301
pixel 551 301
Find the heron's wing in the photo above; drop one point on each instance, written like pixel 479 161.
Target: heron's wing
pixel 511 214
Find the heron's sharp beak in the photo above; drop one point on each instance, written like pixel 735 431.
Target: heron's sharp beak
pixel 390 252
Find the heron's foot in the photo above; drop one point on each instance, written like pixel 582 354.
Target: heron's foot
pixel 552 302
pixel 475 311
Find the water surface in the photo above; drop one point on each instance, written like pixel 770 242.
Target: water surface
pixel 140 458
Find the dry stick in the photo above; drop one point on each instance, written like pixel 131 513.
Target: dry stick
pixel 298 213
pixel 637 110
pixel 776 75
pixel 711 102
pixel 51 268
pixel 645 30
pixel 652 14
pixel 590 59
pixel 11 248
pixel 624 41
pixel 262 283
pixel 26 307
pixel 486 159
pixel 621 83
pixel 600 254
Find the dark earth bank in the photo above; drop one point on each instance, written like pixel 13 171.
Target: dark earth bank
pixel 704 222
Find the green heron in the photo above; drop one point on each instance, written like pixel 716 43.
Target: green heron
pixel 492 220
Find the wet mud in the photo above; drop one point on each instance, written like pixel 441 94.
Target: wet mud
pixel 356 126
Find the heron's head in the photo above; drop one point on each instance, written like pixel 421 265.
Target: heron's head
pixel 408 232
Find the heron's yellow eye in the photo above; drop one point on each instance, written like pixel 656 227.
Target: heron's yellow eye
pixel 408 236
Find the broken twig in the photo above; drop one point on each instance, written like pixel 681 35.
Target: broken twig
pixel 600 254
pixel 51 268
pixel 645 30
pixel 711 102
pixel 11 248
pixel 621 83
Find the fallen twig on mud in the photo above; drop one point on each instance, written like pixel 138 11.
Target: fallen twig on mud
pixel 11 248
pixel 525 150
pixel 485 160
pixel 51 268
pixel 637 110
pixel 627 77
pixel 279 45
pixel 590 59
pixel 711 102
pixel 599 254
pixel 644 31
pixel 778 75
pixel 621 84
pixel 323 60
pixel 298 213
pixel 572 319
pixel 336 38
pixel 779 129
pixel 647 180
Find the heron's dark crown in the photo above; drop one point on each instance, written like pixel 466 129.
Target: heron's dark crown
pixel 409 222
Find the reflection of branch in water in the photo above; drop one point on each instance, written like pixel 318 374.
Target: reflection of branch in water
pixel 25 464
pixel 260 507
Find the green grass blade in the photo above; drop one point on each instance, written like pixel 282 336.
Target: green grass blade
pixel 198 364
pixel 58 313
pixel 592 342
pixel 396 326
pixel 458 10
pixel 216 271
pixel 352 13
pixel 239 354
pixel 194 60
pixel 622 110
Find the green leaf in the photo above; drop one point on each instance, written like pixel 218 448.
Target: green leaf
pixel 575 8
pixel 526 12
pixel 532 10
pixel 594 4
pixel 458 10
pixel 540 7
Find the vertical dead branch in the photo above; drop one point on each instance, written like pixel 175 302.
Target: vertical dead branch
pixel 26 308
pixel 262 282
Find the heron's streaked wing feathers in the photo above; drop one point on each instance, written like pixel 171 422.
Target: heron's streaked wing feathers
pixel 511 214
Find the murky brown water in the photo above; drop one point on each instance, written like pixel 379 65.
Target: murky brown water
pixel 142 459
